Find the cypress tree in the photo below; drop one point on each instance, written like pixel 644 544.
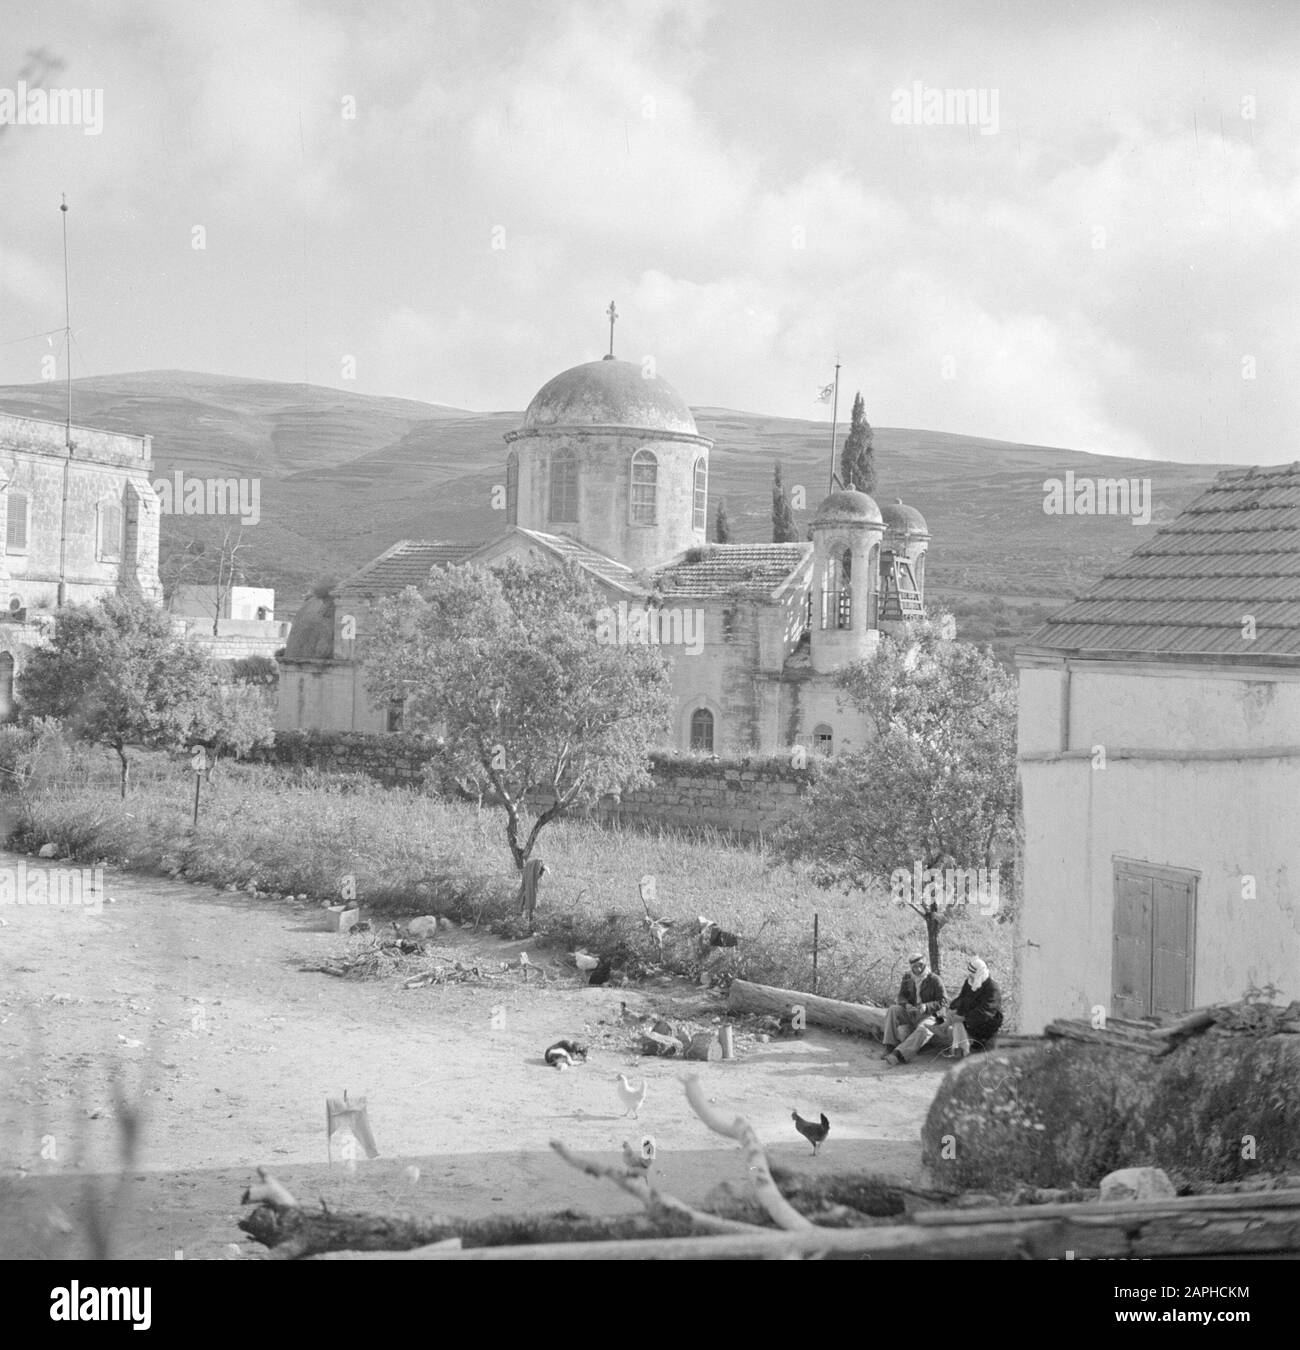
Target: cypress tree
pixel 783 527
pixel 858 457
pixel 722 524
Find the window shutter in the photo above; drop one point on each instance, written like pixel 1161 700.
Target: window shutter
pixel 16 523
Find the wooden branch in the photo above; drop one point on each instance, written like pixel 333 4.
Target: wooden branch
pixel 784 1215
pixel 658 1204
pixel 1148 1229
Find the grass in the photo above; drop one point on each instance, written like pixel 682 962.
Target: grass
pixel 402 853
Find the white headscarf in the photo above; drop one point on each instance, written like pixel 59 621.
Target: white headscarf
pixel 981 973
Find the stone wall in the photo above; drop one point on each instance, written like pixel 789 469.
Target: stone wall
pixel 745 797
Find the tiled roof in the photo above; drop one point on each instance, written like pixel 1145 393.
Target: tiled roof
pixel 407 563
pixel 606 568
pixel 751 570
pixel 1233 553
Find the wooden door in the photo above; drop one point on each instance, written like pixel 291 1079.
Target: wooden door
pixel 1154 940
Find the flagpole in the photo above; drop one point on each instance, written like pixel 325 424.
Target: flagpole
pixel 835 412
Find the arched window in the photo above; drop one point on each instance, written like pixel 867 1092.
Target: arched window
pixel 702 730
pixel 512 489
pixel 837 609
pixel 564 486
pixel 701 495
pixel 823 739
pixel 110 532
pixel 645 487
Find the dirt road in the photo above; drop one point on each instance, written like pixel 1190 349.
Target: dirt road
pixel 199 997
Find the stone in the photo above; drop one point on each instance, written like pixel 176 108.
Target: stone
pixel 48 851
pixel 425 926
pixel 1137 1183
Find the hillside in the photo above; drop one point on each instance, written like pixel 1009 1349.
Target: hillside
pixel 344 475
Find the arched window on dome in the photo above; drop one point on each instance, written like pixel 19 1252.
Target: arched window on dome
pixel 702 730
pixel 645 488
pixel 512 489
pixel 564 487
pixel 701 519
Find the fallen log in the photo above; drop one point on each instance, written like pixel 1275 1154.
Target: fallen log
pixel 1042 1233
pixel 1112 1040
pixel 859 1018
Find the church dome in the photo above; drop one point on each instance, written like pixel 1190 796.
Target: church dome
pixel 848 507
pixel 607 394
pixel 903 519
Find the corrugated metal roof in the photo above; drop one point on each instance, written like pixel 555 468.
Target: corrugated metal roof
pixel 1230 560
pixel 748 570
pixel 407 563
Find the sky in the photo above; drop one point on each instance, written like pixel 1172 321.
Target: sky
pixel 439 200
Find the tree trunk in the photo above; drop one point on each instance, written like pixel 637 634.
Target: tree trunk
pixel 933 922
pixel 828 1012
pixel 125 769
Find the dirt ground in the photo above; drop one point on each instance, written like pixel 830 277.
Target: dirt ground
pixel 199 997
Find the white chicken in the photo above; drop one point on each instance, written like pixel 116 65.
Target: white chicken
pixel 633 1098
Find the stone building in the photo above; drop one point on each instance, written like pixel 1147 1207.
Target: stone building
pixel 78 523
pixel 608 471
pixel 1159 746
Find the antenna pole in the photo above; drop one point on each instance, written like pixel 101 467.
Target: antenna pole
pixel 835 412
pixel 62 594
pixel 67 318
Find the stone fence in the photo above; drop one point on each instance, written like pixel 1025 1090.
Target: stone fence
pixel 744 798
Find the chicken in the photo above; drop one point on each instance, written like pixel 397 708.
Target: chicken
pixel 814 1134
pixel 564 1053
pixel 639 1160
pixel 633 1098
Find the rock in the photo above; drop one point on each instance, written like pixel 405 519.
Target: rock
pixel 425 926
pixel 48 851
pixel 1064 1113
pixel 1136 1183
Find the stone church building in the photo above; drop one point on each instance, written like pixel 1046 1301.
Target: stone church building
pixel 608 472
pixel 78 524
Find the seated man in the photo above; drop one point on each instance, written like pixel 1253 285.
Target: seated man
pixel 920 997
pixel 975 1014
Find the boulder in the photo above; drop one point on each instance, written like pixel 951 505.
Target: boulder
pixel 425 926
pixel 48 851
pixel 1219 1108
pixel 1137 1183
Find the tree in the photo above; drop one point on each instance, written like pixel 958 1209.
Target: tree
pixel 117 675
pixel 518 672
pixel 935 787
pixel 231 718
pixel 722 525
pixel 858 455
pixel 783 526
